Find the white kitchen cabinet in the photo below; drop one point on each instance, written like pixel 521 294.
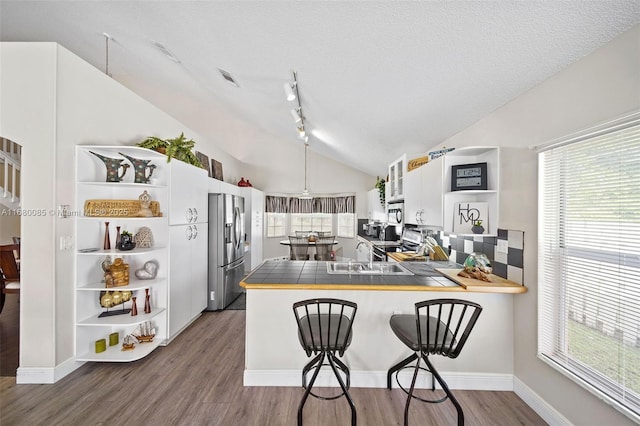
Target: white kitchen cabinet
pixel 189 233
pixel 490 196
pixel 423 194
pixel 188 275
pixel 254 226
pixel 397 171
pixel 188 190
pixel 375 207
pixel 90 253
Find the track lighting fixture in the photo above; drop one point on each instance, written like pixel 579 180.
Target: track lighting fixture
pixel 288 90
pixel 296 115
pixel 293 93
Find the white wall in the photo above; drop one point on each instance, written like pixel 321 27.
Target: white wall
pixel 601 86
pixel 52 101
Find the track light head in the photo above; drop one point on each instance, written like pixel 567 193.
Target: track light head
pixel 288 90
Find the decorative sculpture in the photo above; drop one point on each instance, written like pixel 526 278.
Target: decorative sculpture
pixel 148 271
pixel 126 241
pixel 117 275
pixel 145 203
pixel 143 238
pixel 113 166
pixel 140 168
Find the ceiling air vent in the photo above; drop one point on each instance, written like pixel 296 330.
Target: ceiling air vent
pixel 227 76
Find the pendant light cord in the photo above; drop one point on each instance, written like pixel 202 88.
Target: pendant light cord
pixel 306 145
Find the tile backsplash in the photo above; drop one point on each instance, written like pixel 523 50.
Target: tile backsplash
pixel 505 251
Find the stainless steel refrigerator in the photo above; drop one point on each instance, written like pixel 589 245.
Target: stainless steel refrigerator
pixel 226 249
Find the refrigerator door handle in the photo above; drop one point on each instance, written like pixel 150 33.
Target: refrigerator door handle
pixel 233 266
pixel 188 232
pixel 236 222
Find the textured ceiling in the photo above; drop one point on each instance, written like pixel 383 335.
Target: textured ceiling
pixel 376 79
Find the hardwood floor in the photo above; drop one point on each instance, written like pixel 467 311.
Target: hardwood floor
pixel 197 380
pixel 10 336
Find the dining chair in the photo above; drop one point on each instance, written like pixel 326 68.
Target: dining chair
pixel 323 248
pixel 324 233
pixel 439 327
pixel 302 233
pixel 9 272
pixel 16 240
pixel 299 248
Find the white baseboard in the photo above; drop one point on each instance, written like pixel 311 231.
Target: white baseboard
pixel 378 379
pixel 539 405
pixel 39 375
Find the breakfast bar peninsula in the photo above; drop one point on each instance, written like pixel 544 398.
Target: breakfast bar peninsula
pixel 273 356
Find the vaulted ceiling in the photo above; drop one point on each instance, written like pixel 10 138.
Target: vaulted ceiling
pixel 376 79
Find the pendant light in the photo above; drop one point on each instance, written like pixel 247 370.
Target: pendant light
pixel 305 194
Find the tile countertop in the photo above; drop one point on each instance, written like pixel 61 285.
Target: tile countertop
pixel 310 275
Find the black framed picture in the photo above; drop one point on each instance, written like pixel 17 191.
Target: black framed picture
pixel 469 176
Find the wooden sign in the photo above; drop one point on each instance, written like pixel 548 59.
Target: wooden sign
pixel 417 162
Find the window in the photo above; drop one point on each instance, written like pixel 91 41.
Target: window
pixel 311 222
pixel 589 261
pixel 276 224
pixel 346 225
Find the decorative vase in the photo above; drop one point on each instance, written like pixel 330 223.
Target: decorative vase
pixel 147 302
pixel 113 166
pixel 477 229
pixel 140 168
pixel 107 240
pixel 134 307
pixel 117 236
pixel 242 182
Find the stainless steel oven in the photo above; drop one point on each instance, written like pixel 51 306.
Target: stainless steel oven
pixel 395 214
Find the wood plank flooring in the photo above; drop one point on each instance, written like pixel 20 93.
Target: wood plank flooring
pixel 197 380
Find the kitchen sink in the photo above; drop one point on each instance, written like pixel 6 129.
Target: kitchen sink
pixel 382 268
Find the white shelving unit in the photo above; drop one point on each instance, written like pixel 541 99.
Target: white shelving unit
pixel 91 184
pixel 489 155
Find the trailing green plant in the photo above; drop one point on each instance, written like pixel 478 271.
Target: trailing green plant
pixel 380 183
pixel 179 147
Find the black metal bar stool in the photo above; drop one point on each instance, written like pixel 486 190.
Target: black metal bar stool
pixel 324 330
pixel 439 327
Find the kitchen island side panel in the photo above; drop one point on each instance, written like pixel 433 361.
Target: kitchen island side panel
pixel 273 352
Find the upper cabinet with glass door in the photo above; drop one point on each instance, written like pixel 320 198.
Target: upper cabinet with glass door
pixel 397 171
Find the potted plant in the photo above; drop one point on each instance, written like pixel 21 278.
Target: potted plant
pixel 477 227
pixel 381 190
pixel 179 147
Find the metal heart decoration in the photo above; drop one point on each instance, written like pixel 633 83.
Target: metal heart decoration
pixel 148 271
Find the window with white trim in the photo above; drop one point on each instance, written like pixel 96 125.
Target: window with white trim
pixel 276 224
pixel 346 225
pixel 311 222
pixel 589 261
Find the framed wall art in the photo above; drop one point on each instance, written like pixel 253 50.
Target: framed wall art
pixel 204 160
pixel 216 168
pixel 465 215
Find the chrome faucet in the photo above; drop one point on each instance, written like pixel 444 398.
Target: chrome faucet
pixel 371 253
